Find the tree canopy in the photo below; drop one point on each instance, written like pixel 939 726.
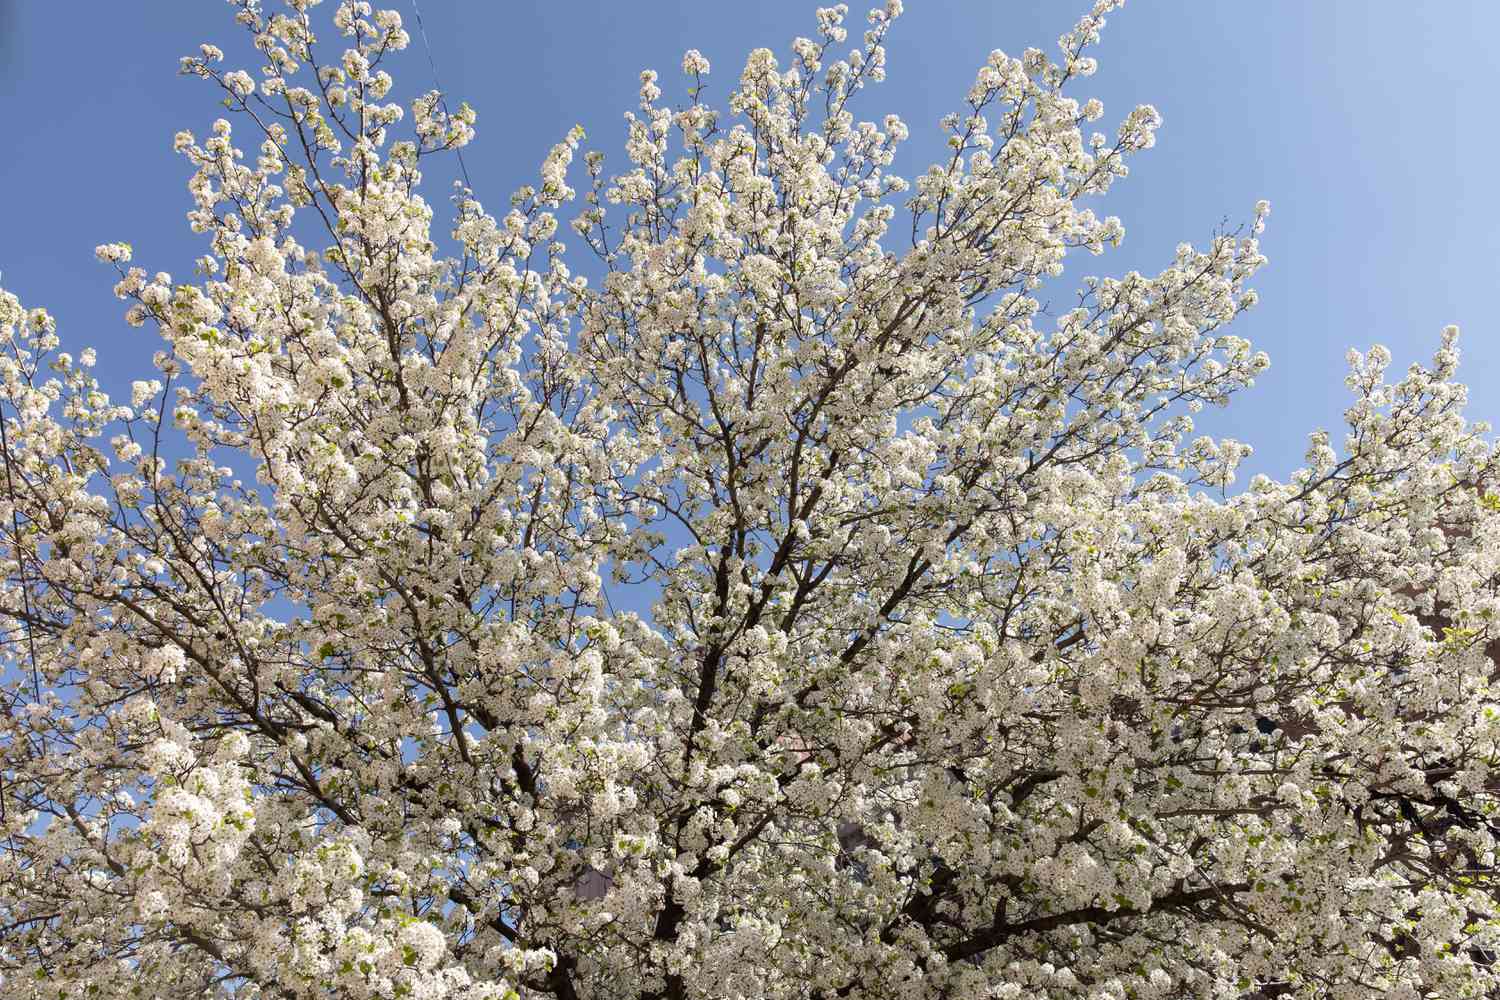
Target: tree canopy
pixel 946 662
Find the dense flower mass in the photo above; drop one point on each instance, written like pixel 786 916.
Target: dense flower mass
pixel 963 674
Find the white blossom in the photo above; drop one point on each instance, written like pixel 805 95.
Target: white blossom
pixel 743 598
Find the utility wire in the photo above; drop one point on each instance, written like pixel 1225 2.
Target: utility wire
pixel 416 9
pixel 442 96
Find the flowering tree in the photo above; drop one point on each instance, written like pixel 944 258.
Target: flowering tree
pixel 957 678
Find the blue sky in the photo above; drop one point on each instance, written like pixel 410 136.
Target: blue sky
pixel 1367 123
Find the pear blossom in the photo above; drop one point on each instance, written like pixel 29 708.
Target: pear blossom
pixel 722 577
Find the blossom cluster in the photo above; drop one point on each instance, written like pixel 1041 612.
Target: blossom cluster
pixel 329 663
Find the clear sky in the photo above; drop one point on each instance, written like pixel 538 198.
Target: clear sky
pixel 1369 124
